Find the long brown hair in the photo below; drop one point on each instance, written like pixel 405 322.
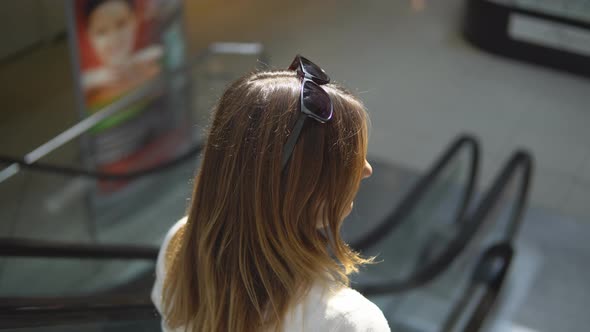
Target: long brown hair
pixel 258 237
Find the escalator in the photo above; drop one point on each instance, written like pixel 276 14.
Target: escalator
pixel 445 250
pixel 452 270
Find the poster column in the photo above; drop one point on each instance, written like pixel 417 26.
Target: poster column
pixel 120 47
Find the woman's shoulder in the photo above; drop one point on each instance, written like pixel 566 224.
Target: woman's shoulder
pixel 169 244
pixel 337 309
pixel 173 232
pixel 355 312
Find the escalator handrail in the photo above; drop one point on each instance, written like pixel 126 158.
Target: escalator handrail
pixel 11 247
pixel 414 196
pixel 519 160
pixel 488 275
pixel 75 171
pixel 493 288
pixel 16 313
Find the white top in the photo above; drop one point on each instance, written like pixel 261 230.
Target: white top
pixel 323 309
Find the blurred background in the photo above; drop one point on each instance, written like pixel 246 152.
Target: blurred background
pixel 116 86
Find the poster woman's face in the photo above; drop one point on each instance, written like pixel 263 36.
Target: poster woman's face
pixel 112 28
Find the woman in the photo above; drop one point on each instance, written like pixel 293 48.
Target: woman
pixel 260 249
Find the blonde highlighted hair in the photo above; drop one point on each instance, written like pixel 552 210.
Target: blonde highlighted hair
pixel 257 237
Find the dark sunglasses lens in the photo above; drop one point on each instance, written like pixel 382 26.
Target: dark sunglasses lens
pixel 317 101
pixel 295 64
pixel 315 71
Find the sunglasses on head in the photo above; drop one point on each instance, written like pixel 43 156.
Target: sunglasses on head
pixel 314 101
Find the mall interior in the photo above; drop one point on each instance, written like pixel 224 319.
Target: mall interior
pixel 478 209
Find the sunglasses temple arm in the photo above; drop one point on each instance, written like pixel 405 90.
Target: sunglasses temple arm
pixel 293 137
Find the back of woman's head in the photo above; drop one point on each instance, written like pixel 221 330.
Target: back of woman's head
pixel 258 236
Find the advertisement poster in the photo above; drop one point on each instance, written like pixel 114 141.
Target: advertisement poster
pixel 119 47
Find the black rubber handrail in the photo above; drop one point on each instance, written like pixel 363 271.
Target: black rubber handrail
pixel 75 171
pixel 110 314
pixel 489 275
pixel 414 196
pixel 11 247
pixel 520 164
pixel 42 312
pixel 468 231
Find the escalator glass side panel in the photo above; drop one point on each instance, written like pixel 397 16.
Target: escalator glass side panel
pixel 429 226
pixel 39 205
pixel 376 198
pixel 143 133
pixel 26 277
pixel 399 211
